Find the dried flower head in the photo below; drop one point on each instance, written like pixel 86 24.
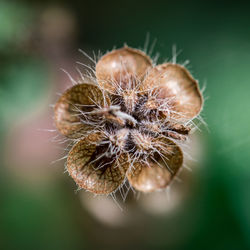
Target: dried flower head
pixel 127 124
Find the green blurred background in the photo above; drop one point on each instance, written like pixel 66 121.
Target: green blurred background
pixel 39 208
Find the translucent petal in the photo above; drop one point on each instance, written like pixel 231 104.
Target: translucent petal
pixel 122 68
pixel 174 84
pixel 73 104
pixel 100 175
pixel 157 173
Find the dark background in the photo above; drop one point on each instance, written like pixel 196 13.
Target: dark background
pixel 38 206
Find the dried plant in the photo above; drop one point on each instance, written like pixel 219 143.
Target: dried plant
pixel 128 122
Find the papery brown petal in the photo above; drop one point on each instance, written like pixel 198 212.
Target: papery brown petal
pixel 156 174
pixel 85 171
pixel 81 97
pixel 173 82
pixel 120 66
pixel 149 178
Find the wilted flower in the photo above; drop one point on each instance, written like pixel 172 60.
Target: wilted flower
pixel 127 124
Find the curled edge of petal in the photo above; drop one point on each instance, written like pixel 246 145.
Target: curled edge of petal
pixel 175 83
pixel 68 108
pixel 156 175
pixel 116 68
pixel 87 175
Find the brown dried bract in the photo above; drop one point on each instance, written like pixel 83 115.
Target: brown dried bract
pixel 70 109
pixel 157 173
pixel 175 83
pixel 100 176
pixel 122 67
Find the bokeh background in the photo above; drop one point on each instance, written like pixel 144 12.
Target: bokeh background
pixel 39 208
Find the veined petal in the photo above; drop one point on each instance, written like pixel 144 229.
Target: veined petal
pixel 157 172
pixel 173 83
pixel 72 106
pixel 91 169
pixel 122 68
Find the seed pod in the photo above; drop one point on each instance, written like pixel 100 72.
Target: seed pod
pixel 126 122
pixel 96 174
pixel 157 173
pixel 122 68
pixel 175 84
pixel 70 109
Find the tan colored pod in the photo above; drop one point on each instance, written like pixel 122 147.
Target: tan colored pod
pixel 125 123
pixel 72 104
pixel 82 167
pixel 175 84
pixel 122 68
